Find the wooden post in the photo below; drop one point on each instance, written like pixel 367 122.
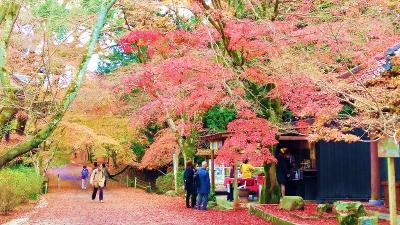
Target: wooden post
pixel 375 178
pixel 235 187
pixel 127 181
pixel 135 182
pixel 58 181
pixel 175 164
pixel 212 171
pixel 392 191
pixel 313 155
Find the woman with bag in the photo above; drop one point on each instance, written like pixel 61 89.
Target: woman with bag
pixel 97 179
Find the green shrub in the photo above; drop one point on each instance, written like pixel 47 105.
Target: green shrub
pixel 148 189
pixel 217 118
pixel 18 185
pixel 212 197
pixel 166 182
pixel 138 149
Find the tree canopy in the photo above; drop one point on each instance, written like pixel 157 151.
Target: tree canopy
pixel 256 69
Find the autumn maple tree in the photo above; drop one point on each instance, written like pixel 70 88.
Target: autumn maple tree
pixel 186 73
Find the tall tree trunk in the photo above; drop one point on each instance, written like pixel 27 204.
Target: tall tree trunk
pixel 11 153
pixel 172 125
pixel 22 119
pixel 175 159
pixel 265 196
pixel 114 159
pixel 276 10
pixel 236 203
pixel 8 15
pixel 270 192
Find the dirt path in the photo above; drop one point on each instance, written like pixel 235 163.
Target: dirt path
pixel 123 205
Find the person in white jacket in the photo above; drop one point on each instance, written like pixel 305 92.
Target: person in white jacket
pixel 97 179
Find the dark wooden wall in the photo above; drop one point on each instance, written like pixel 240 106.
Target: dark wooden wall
pixel 344 171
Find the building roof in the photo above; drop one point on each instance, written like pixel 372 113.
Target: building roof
pixel 205 152
pixel 374 67
pixel 215 136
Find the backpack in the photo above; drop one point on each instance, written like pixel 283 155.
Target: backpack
pixel 85 173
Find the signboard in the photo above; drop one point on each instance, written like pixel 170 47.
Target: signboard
pixel 388 147
pixel 219 175
pixel 215 145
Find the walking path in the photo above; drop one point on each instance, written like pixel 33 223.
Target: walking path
pixel 73 206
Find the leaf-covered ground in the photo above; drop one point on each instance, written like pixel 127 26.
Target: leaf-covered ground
pixel 125 206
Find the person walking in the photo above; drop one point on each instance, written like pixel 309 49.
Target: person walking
pixel 203 190
pixel 97 179
pixel 188 178
pixel 84 177
pixel 106 174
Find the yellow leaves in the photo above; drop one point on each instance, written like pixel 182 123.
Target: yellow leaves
pixel 71 136
pixel 332 134
pixel 393 5
pixel 80 136
pixel 142 15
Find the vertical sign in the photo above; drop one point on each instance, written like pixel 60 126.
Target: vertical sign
pixel 388 147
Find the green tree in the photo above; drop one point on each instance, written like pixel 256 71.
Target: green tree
pixel 34 141
pixel 218 117
pixel 8 14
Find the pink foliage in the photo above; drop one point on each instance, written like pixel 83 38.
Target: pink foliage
pixel 301 95
pixel 160 152
pixel 247 37
pixel 137 39
pixel 303 127
pixel 255 75
pixel 251 139
pixel 153 111
pixel 165 44
pixel 189 85
pixel 185 127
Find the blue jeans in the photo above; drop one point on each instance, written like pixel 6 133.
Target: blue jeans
pixel 202 200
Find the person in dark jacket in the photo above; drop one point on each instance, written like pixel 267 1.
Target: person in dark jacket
pixel 188 178
pixel 231 175
pixel 203 189
pixel 282 169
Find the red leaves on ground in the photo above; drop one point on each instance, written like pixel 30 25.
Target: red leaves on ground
pixel 306 216
pixel 129 206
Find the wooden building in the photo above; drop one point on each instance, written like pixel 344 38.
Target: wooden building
pixel 330 170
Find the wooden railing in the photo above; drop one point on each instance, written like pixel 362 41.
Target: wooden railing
pixel 137 183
